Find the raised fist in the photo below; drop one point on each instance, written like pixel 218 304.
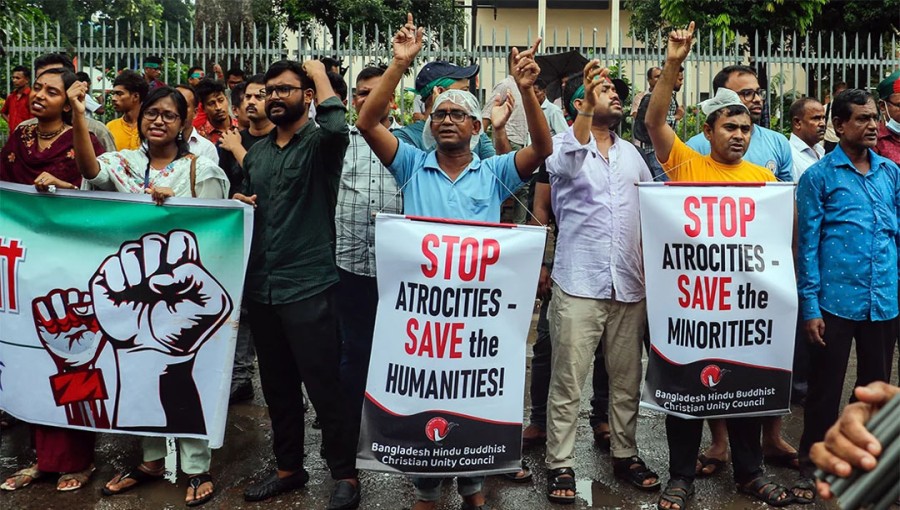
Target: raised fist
pixel 67 327
pixel 155 295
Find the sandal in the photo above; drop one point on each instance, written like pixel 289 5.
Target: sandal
pixel 602 436
pixel 677 492
pixel 705 462
pixel 194 482
pixel 634 471
pixel 560 479
pixel 522 476
pixel 767 491
pixel 19 482
pixel 804 484
pixel 137 474
pixel 81 477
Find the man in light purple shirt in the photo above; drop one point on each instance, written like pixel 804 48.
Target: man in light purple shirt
pixel 598 278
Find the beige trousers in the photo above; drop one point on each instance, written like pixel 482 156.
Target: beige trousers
pixel 576 326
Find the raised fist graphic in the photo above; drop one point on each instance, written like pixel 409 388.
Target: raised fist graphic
pixel 155 295
pixel 68 330
pixel 157 305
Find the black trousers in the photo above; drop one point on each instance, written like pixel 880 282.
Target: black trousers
pixel 744 435
pixel 297 343
pixel 828 369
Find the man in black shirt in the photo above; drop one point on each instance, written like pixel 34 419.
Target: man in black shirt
pixel 234 144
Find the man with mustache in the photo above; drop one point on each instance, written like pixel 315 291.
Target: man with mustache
pixel 234 143
pixel 233 148
pixel 767 148
pixel 847 209
pixel 727 132
pixel 598 278
pixel 450 180
pixel 212 101
pixel 807 132
pixel 291 177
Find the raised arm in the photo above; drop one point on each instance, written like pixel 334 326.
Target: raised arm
pixel 316 72
pixel 661 135
pixel 85 158
pixel 525 72
pixel 594 76
pixel 501 110
pixel 407 43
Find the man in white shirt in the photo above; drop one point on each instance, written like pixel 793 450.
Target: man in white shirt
pixel 554 114
pixel 198 144
pixel 807 132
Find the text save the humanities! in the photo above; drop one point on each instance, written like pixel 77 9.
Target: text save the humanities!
pixel 446 377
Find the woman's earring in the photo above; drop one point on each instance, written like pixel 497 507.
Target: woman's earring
pixel 180 136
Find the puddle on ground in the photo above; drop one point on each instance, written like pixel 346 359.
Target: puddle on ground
pixel 597 494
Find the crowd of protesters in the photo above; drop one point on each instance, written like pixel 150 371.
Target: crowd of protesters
pixel 279 141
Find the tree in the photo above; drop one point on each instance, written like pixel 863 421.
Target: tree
pixel 723 18
pixel 341 15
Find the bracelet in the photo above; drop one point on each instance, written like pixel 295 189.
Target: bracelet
pixel 586 114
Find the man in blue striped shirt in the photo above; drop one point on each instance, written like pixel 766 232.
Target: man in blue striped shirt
pixel 847 264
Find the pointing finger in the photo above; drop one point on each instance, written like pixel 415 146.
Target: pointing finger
pixel 534 47
pixel 690 28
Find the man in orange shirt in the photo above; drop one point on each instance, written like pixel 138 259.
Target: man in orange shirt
pixel 16 109
pixel 728 128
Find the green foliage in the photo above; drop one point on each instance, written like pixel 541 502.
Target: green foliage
pixel 340 15
pixel 124 13
pixel 723 18
pixel 691 124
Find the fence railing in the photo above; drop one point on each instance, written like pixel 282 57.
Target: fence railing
pixel 790 65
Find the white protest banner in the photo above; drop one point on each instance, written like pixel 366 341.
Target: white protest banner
pixel 447 374
pixel 119 315
pixel 721 298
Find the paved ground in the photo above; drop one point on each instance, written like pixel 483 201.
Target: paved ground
pixel 247 454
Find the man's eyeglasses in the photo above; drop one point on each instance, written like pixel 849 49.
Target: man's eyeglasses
pixel 260 96
pixel 888 101
pixel 747 94
pixel 456 116
pixel 167 116
pixel 281 91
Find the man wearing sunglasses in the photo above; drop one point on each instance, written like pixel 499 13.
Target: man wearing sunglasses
pixel 769 149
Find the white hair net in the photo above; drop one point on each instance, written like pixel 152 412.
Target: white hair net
pixel 462 98
pixel 723 99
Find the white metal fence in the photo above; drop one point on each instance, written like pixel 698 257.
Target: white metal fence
pixel 790 65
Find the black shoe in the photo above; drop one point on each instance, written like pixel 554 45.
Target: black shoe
pixel 241 393
pixel 345 496
pixel 272 486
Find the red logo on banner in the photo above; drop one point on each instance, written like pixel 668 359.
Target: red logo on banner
pixel 711 375
pixel 437 429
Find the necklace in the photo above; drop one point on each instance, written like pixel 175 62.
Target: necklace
pixel 51 135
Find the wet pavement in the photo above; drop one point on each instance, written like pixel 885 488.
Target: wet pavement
pixel 247 455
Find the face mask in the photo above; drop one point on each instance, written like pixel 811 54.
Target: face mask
pixel 894 126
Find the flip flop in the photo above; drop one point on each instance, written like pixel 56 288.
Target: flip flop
pixel 82 477
pixel 32 473
pixel 705 462
pixel 515 478
pixel 195 482
pixel 140 477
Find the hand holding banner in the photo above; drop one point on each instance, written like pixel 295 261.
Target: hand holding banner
pixel 447 372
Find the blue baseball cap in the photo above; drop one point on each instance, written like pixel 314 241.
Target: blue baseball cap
pixel 438 69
